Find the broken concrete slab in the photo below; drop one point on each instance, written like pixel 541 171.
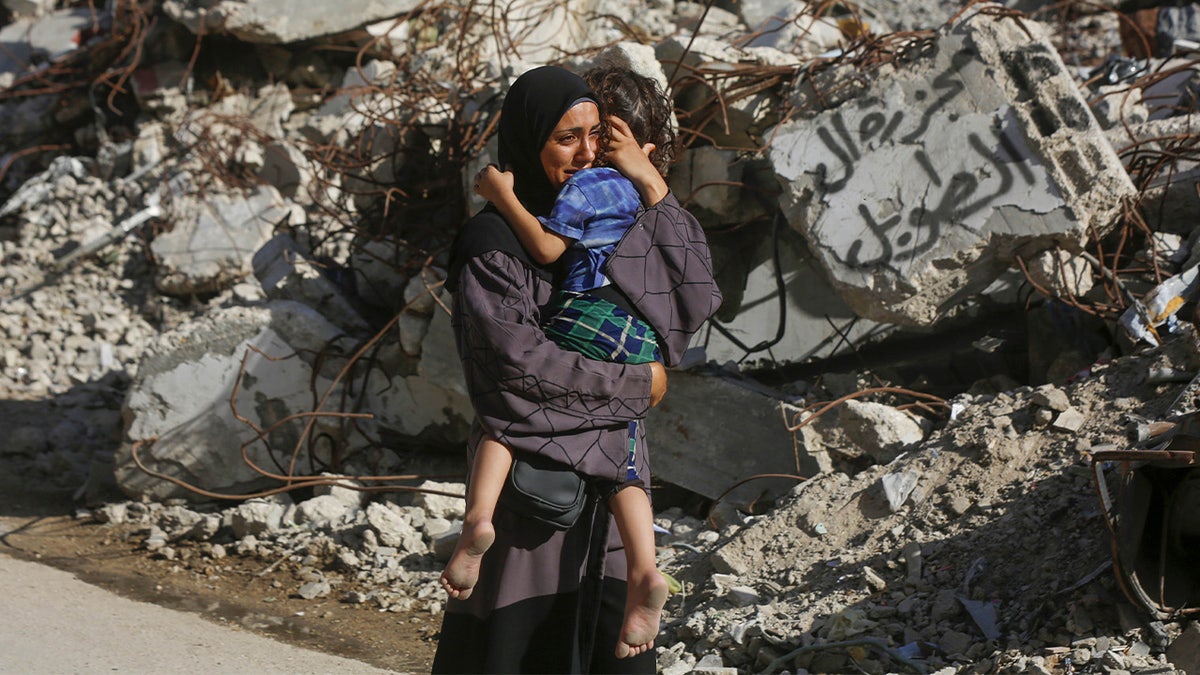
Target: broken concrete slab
pixel 30 44
pixel 711 96
pixel 920 190
pixel 535 33
pixel 879 430
pixel 744 435
pixel 788 25
pixel 425 405
pixel 214 239
pixel 281 21
pixel 756 325
pixel 1060 274
pixel 29 8
pixel 287 272
pixel 179 411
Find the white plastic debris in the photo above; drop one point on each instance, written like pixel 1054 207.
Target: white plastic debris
pixel 1158 307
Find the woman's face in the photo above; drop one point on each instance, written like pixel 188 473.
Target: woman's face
pixel 572 144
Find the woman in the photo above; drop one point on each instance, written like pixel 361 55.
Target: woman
pixel 547 600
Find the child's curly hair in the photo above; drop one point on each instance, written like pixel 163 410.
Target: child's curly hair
pixel 638 101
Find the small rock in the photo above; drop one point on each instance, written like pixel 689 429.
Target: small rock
pixel 955 643
pixel 441 506
pixel 743 596
pixel 444 543
pixel 958 505
pixel 156 540
pixel 727 562
pixel 320 511
pixel 873 579
pixel 1052 397
pixel 112 513
pixel 1070 420
pixel 898 487
pixel 1139 649
pixel 945 606
pixel 713 664
pixel 256 517
pixel 314 589
pixel 912 561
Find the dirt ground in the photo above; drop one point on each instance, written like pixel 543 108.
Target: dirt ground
pixel 37 523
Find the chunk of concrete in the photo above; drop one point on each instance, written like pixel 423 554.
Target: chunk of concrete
pixel 788 25
pixel 180 411
pixel 214 238
pixel 755 265
pixel 741 434
pixel 287 273
pixel 919 191
pixel 426 403
pixel 281 21
pixel 883 432
pixel 33 43
pixel 731 111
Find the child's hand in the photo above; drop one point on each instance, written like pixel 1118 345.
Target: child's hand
pixel 623 150
pixel 493 184
pixel 633 161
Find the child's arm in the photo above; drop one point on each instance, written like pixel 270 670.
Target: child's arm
pixel 633 161
pixel 542 245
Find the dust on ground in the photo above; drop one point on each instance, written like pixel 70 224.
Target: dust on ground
pixel 38 523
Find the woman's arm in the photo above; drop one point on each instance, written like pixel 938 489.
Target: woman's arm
pixel 663 265
pixel 513 367
pixel 530 394
pixel 633 161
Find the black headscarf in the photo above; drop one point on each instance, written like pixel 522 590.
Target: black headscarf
pixel 535 103
pixel 533 107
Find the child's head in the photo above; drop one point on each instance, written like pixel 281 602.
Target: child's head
pixel 638 101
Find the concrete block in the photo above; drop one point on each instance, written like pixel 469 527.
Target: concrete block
pixel 754 265
pixel 743 436
pixel 917 192
pixel 181 411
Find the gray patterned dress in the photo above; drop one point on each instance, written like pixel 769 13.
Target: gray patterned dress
pixel 540 604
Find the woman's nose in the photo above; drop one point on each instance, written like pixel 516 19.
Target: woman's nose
pixel 587 150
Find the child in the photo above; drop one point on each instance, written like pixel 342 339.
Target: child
pixel 592 212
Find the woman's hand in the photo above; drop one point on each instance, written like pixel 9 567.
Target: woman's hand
pixel 633 161
pixel 493 184
pixel 658 383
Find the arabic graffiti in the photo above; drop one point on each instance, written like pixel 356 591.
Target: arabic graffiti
pixel 968 179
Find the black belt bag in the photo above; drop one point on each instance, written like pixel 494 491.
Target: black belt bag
pixel 548 493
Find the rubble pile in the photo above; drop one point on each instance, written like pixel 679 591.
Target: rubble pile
pixel 955 242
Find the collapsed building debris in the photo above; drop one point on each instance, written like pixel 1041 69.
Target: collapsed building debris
pixel 917 188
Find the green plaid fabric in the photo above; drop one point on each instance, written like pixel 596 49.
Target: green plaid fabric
pixel 601 330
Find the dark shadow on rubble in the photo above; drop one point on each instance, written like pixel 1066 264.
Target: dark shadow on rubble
pixel 1048 590
pixel 57 452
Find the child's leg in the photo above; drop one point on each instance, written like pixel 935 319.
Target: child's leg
pixel 647 588
pixel 489 470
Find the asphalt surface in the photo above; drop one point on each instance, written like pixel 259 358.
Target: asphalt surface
pixel 53 623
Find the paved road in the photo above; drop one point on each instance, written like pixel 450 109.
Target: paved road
pixel 53 623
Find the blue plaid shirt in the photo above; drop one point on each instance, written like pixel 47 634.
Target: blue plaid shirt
pixel 595 208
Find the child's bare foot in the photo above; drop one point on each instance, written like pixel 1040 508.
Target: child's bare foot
pixel 462 572
pixel 643 608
